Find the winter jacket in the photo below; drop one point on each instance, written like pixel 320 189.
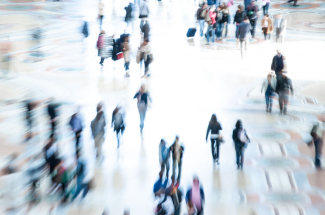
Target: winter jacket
pixel 239 17
pixel 270 26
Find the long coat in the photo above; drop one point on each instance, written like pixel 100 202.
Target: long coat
pixel 106 51
pixel 270 26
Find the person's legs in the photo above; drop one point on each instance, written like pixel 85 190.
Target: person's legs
pixel 267 8
pixel 201 22
pixel 174 167
pixel 237 155
pixel 267 100
pixel 281 100
pixel 79 187
pixel 167 167
pixel 146 65
pixel 101 61
pixel 213 142
pixel 277 33
pixel 226 31
pixel 217 154
pixel 237 26
pixel 241 46
pixel 179 170
pixel 270 102
pixel 208 33
pixel 78 135
pixel 318 152
pixel 242 157
pixel 253 23
pixel 264 10
pixel 213 35
pixel 142 117
pixel 285 101
pixel 85 187
pixel 118 136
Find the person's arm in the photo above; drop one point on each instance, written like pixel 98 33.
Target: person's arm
pixel 112 119
pixel 291 88
pixel 273 64
pixel 208 130
pixel 249 140
pixel 220 127
pixel 238 32
pixel 263 86
pixel 136 95
pixel 160 155
pixel 202 194
pixel 234 138
pixel 188 196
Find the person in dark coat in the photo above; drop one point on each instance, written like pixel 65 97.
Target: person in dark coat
pixel 118 123
pixel 142 104
pixel 195 195
pixel 318 135
pixel 239 17
pixel 177 150
pixel 252 13
pixel 214 126
pixel 77 127
pixel 145 29
pixel 52 110
pixel 283 86
pixel 128 14
pixel 277 63
pixel 241 140
pixel 85 29
pixel 51 157
pixel 175 194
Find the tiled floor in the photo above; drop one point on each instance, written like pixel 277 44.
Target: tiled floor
pixel 189 82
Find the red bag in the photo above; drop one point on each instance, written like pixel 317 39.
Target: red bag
pixel 119 55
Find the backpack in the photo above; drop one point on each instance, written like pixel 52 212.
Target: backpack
pixel 100 42
pixel 242 136
pixel 118 121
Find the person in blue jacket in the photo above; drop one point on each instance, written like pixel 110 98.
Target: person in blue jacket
pixel 195 195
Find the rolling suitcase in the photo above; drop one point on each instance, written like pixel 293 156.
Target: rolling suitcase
pixel 191 32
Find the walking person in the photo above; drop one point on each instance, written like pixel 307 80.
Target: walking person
pixel 266 5
pixel 214 127
pixel 200 16
pixel 241 140
pixel 126 53
pixel 225 19
pixel 211 21
pixel 100 13
pixel 118 122
pixel 142 104
pixel 128 14
pixel 51 156
pixel 145 29
pixel 145 54
pixel 239 17
pixel 195 196
pixel 243 34
pixel 76 126
pixel 164 157
pixel 277 63
pixel 175 194
pixel 52 110
pixel 269 86
pixel 80 176
pixel 280 25
pixel 267 27
pixel 98 132
pixel 318 135
pixel 104 46
pixel 252 13
pixel 177 151
pixel 143 11
pixel 283 87
pixel 160 185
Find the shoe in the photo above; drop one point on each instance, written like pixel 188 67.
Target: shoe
pixel 217 161
pixel 101 64
pixel 127 75
pixel 295 5
pixel 238 167
pixel 207 44
pixel 211 44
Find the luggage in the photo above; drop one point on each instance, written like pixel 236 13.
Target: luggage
pixel 191 32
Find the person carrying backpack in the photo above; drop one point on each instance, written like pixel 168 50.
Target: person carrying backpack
pixel 241 140
pixel 252 13
pixel 118 122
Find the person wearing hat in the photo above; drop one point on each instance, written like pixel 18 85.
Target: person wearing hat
pixel 195 196
pixel 268 87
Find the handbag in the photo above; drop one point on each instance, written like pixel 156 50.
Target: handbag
pixel 119 55
pixel 204 12
pixel 230 3
pixel 208 18
pixel 220 139
pixel 140 15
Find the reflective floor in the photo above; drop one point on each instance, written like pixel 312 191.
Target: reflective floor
pixel 189 82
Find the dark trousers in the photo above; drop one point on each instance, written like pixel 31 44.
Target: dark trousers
pixel 266 35
pixel 53 127
pixel 78 135
pixel 146 65
pixel 101 60
pixel 201 211
pixel 266 9
pixel 279 38
pixel 318 151
pixel 81 186
pixel 253 24
pixel 239 154
pixel 215 149
pixel 100 20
